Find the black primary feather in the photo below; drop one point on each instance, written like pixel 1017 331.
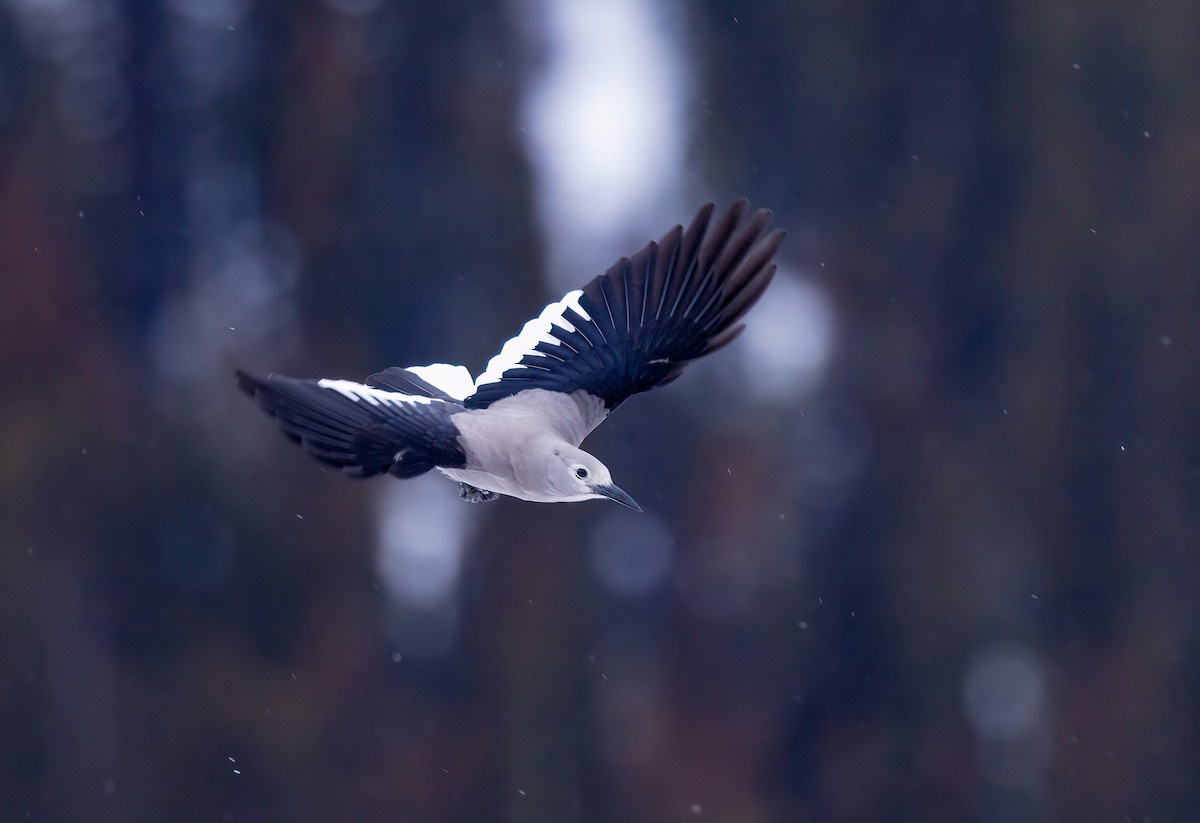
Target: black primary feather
pixel 363 439
pixel 652 314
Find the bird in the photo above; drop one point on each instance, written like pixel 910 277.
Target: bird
pixel 516 428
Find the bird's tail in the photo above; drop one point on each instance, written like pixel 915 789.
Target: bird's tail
pixel 361 430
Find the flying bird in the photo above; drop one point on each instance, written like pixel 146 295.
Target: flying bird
pixel 516 428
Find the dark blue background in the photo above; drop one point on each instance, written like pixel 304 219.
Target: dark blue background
pixel 954 578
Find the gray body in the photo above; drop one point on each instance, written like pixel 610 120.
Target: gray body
pixel 510 445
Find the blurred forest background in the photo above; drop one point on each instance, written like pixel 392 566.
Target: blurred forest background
pixel 921 546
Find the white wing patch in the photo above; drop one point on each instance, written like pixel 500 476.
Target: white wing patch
pixel 455 381
pixel 376 397
pixel 534 332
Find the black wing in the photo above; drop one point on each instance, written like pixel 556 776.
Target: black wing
pixel 362 430
pixel 640 323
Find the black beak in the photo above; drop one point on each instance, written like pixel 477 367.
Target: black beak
pixel 614 493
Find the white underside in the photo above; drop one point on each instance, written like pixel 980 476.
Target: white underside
pixel 492 483
pixel 500 485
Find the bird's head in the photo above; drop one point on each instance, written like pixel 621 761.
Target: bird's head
pixel 576 475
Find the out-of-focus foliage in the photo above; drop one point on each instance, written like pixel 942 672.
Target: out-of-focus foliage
pixel 946 569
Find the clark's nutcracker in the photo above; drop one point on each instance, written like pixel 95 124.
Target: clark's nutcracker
pixel 516 428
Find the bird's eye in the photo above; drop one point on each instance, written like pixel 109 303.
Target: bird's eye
pixel 581 473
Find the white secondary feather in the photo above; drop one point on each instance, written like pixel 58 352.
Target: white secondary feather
pixel 455 381
pixel 376 397
pixel 534 332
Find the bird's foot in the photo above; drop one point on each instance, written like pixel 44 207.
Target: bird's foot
pixel 473 495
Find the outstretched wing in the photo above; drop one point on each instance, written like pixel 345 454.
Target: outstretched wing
pixel 640 323
pixel 362 430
